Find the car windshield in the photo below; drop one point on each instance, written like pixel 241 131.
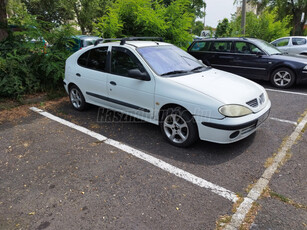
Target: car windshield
pixel 267 47
pixel 169 60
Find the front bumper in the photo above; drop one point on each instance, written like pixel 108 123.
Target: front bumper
pixel 229 130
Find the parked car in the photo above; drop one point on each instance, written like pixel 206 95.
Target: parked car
pixel 164 85
pixel 251 58
pixel 292 45
pixel 80 41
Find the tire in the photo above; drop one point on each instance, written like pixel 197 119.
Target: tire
pixel 76 98
pixel 283 78
pixel 178 127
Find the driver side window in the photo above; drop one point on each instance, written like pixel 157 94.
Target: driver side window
pixel 122 60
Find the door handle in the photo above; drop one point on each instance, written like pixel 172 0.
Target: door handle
pixel 78 75
pixel 112 82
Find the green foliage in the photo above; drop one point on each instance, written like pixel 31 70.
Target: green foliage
pixel 197 27
pixel 265 26
pixel 147 18
pixel 223 29
pixel 26 64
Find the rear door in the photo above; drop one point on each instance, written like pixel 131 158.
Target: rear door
pixel 249 61
pixel 221 56
pixel 90 73
pixel 298 45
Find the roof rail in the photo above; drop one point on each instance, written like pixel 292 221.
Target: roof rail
pixel 123 40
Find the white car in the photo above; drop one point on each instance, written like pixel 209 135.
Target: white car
pixel 162 84
pixel 292 44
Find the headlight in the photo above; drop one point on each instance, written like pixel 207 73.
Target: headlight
pixel 234 110
pixel 305 68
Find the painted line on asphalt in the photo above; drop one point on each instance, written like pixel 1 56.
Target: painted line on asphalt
pixel 284 121
pixel 238 218
pixel 225 193
pixel 288 92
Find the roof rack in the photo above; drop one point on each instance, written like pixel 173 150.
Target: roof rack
pixel 123 40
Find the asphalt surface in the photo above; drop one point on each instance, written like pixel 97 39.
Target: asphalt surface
pixel 55 177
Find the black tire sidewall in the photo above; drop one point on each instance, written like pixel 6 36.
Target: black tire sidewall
pixel 83 103
pixel 193 131
pixel 283 69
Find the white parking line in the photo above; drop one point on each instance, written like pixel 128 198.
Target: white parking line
pixel 148 158
pixel 284 121
pixel 288 92
pixel 238 218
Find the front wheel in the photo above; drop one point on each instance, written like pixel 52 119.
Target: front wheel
pixel 178 127
pixel 76 98
pixel 283 78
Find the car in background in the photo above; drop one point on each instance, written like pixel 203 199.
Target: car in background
pixel 80 41
pixel 251 58
pixel 164 85
pixel 292 45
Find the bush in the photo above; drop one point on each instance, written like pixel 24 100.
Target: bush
pixel 26 64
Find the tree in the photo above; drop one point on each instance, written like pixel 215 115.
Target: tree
pixel 197 27
pixel 223 29
pixel 3 20
pixel 265 26
pixel 148 18
pixel 87 11
pixel 294 8
pixel 196 6
pixel 52 11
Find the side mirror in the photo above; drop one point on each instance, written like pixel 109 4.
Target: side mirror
pixel 137 74
pixel 259 54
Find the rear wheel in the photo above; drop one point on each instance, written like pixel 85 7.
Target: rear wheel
pixel 76 98
pixel 283 78
pixel 178 127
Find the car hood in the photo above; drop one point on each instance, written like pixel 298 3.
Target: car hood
pixel 222 86
pixel 288 57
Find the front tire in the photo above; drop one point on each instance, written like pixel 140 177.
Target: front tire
pixel 76 98
pixel 178 127
pixel 283 78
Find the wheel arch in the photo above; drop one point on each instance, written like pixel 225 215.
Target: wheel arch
pixel 171 105
pixel 283 66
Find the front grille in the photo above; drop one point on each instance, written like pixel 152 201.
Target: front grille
pixel 256 101
pixel 253 103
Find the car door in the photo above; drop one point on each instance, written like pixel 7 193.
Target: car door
pixel 221 56
pixel 282 44
pixel 298 45
pixel 130 87
pixel 91 74
pixel 249 61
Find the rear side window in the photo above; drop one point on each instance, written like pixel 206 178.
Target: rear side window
pixel 201 46
pixel 298 41
pixel 95 59
pixel 221 46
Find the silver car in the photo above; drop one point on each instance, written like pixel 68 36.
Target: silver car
pixel 292 44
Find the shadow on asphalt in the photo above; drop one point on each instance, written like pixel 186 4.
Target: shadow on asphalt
pixel 148 138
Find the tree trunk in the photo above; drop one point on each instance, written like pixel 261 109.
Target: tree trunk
pixel 3 20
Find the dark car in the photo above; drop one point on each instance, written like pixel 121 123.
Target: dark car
pixel 251 58
pixel 80 41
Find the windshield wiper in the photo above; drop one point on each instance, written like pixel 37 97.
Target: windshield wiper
pixel 174 72
pixel 198 68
